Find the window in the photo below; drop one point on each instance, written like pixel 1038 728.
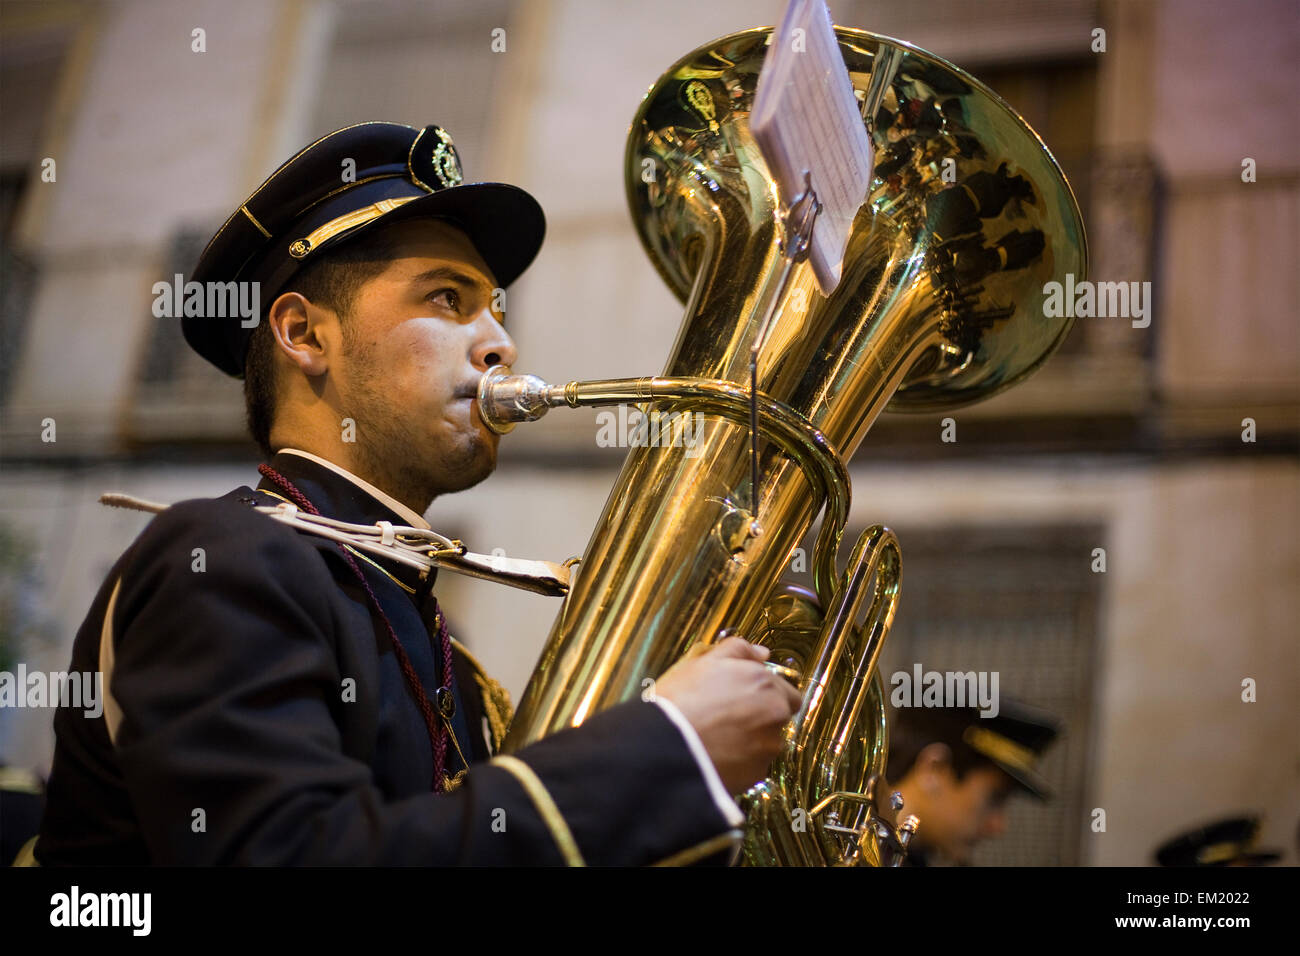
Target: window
pixel 1023 602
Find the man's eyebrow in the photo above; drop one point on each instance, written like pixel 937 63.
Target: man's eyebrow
pixel 450 274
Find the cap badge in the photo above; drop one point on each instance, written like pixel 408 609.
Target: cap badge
pixel 433 158
pixel 445 164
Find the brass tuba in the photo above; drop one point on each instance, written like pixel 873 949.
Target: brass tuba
pixel 940 305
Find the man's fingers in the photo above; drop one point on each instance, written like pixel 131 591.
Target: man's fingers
pixel 793 696
pixel 740 648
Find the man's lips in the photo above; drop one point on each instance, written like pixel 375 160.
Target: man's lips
pixel 469 394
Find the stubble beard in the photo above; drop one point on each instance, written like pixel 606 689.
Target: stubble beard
pixel 394 453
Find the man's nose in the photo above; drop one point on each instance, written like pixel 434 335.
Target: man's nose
pixel 492 344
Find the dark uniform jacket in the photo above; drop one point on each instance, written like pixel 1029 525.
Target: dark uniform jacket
pixel 232 741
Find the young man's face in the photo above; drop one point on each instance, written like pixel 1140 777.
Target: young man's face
pixel 416 342
pixel 967 811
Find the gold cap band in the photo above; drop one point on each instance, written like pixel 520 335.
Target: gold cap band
pixel 299 248
pixel 999 748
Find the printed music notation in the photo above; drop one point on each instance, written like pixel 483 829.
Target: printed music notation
pixel 805 117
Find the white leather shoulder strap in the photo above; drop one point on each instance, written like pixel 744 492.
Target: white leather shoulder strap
pixel 419 548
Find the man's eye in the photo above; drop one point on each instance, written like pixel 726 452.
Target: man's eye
pixel 447 298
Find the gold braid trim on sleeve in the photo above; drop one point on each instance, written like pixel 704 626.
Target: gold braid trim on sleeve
pixel 545 806
pixel 496 699
pixel 713 845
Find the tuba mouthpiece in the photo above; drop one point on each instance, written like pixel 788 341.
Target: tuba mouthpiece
pixel 505 400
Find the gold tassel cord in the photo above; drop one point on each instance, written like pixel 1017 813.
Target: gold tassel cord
pixel 496 699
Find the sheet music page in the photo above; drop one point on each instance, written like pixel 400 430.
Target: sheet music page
pixel 805 117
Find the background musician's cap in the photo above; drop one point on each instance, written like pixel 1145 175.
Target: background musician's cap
pixel 341 186
pixel 1229 842
pixel 1013 740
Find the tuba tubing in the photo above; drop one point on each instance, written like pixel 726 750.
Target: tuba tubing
pixel 939 306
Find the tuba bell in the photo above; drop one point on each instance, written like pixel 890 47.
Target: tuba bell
pixel 940 305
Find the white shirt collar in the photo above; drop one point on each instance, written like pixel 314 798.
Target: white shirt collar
pixel 407 514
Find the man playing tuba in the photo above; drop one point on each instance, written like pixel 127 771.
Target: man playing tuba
pixel 295 701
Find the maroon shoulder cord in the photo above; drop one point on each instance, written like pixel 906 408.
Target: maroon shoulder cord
pixel 437 732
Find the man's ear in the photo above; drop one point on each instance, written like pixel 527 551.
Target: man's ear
pixel 305 333
pixel 934 765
